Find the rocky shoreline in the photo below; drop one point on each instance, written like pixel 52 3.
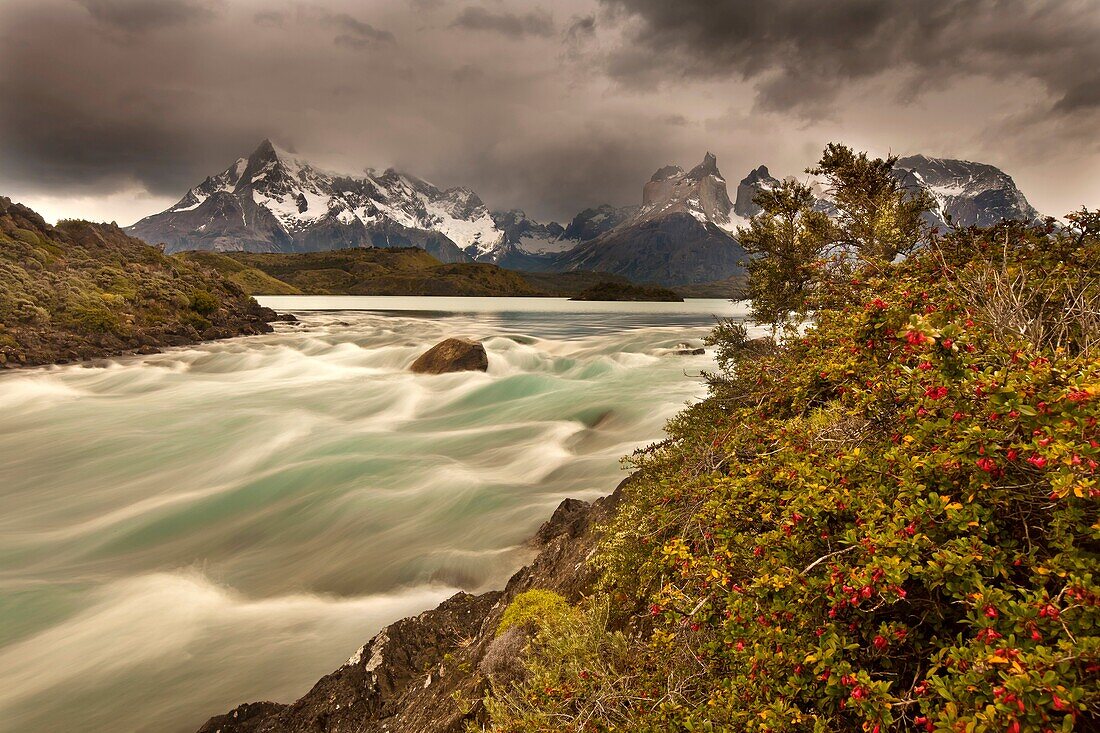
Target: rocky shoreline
pixel 80 291
pixel 429 673
pixel 48 350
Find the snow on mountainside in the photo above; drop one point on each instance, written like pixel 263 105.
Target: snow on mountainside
pixel 681 234
pixel 700 193
pixel 970 193
pixel 757 180
pixel 274 201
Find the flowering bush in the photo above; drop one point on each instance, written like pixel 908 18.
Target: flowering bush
pixel 891 523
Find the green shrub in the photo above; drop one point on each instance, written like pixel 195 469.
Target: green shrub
pixel 891 522
pixel 90 313
pixel 204 302
pixel 194 320
pixel 537 607
pixel 26 236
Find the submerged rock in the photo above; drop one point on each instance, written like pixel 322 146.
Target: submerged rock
pixel 452 355
pixel 683 349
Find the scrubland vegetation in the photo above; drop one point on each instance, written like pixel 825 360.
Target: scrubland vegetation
pixel 883 519
pixel 79 290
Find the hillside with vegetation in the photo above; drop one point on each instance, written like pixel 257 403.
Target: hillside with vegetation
pixel 620 291
pixel 886 521
pixel 884 517
pixel 378 271
pixel 250 279
pixel 82 290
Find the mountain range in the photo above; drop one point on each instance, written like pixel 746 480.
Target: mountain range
pixel 684 231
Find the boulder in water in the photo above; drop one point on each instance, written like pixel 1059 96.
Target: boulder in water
pixel 452 355
pixel 685 349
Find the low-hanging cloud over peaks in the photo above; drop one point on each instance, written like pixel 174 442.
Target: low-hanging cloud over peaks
pixel 800 54
pixel 549 107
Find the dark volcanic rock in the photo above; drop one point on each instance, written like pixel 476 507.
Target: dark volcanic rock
pixel 428 674
pixel 452 355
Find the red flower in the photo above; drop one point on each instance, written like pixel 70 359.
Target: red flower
pixel 987 464
pixel 1037 461
pixel 880 642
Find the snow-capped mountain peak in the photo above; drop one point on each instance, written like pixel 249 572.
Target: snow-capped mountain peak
pixel 971 193
pixel 276 200
pixel 701 192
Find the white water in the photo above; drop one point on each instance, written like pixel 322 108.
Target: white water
pixel 184 532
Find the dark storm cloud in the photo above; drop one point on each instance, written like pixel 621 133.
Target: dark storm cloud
pixel 1083 96
pixel 581 27
pixel 801 53
pixel 143 15
pixel 536 23
pixel 357 34
pixel 108 99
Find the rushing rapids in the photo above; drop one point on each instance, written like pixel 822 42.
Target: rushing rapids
pixel 185 531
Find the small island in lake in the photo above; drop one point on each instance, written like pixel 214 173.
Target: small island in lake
pixel 626 291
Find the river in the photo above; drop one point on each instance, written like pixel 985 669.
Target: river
pixel 187 531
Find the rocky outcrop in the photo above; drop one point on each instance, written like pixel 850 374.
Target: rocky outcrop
pixel 591 223
pixel 680 235
pixel 968 193
pixel 429 673
pixel 756 181
pixel 80 290
pixel 452 355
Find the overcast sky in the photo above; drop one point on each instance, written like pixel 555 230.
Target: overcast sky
pixel 112 109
